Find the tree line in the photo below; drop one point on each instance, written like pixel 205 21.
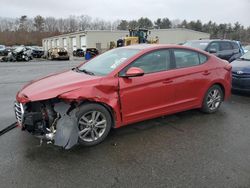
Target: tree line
pixel 230 31
pixel 31 31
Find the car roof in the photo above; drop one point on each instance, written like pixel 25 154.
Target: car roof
pixel 211 40
pixel 151 46
pixel 148 47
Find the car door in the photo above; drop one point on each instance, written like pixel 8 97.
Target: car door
pixel 192 76
pixel 149 95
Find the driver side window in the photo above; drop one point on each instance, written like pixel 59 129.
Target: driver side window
pixel 153 62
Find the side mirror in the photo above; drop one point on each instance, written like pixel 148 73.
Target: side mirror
pixel 134 72
pixel 213 51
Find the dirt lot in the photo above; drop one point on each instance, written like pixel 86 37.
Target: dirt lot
pixel 188 149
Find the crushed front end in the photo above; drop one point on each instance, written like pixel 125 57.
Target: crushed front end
pixel 44 120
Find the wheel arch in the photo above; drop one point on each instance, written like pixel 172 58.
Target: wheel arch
pixel 222 88
pixel 218 83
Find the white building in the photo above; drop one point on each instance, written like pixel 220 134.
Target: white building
pixel 101 39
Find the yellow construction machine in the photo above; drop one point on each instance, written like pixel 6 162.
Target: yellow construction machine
pixel 136 36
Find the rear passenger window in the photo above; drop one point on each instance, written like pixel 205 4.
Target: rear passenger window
pixel 225 46
pixel 186 58
pixel 203 58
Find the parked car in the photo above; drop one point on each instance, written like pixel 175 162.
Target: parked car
pixel 20 53
pixel 8 49
pixel 58 53
pixel 246 48
pixel 2 50
pixel 37 52
pixel 241 73
pixel 78 52
pixel 224 49
pixel 119 87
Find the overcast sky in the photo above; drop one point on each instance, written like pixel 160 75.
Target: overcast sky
pixel 220 11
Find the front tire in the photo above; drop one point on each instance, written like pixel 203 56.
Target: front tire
pixel 94 123
pixel 212 99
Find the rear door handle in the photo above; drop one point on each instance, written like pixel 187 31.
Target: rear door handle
pixel 206 73
pixel 168 81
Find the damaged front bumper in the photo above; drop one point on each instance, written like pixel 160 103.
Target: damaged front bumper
pixel 50 120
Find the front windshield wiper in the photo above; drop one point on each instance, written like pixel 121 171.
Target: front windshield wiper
pixel 75 69
pixel 83 70
pixel 87 72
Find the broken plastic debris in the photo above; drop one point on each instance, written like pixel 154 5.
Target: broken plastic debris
pixel 66 129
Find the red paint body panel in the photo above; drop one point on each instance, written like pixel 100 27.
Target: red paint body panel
pixel 141 96
pixel 137 98
pixel 54 85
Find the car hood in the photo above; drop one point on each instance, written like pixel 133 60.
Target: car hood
pixel 55 85
pixel 241 65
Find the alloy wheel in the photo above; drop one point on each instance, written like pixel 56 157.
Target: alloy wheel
pixel 92 126
pixel 214 99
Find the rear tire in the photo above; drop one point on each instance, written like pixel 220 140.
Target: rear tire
pixel 212 99
pixel 94 123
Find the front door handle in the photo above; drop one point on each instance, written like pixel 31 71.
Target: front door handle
pixel 168 81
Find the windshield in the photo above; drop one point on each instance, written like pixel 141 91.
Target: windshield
pixel 1 47
pixel 246 56
pixel 196 44
pixel 108 61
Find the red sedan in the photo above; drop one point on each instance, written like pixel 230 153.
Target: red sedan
pixel 120 87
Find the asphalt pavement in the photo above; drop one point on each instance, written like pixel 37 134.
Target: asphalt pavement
pixel 188 149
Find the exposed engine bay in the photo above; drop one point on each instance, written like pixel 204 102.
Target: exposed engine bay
pixel 51 120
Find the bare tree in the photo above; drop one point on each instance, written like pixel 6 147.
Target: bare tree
pixel 61 25
pixel 9 24
pixel 175 23
pixel 50 24
pixel 84 22
pixel 73 25
pixel 115 24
